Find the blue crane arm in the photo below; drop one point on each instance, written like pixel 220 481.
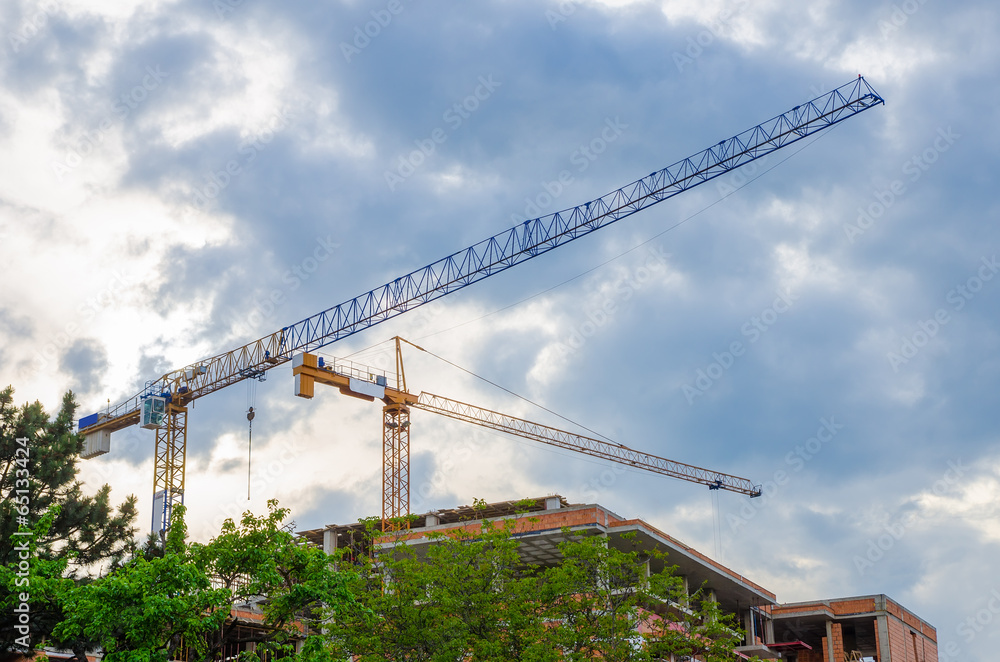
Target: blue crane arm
pixel 495 254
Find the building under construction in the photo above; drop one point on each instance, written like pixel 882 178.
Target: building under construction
pixel 858 628
pixel 861 628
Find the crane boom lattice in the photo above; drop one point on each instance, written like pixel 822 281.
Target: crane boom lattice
pixel 518 244
pixel 604 450
pixel 493 255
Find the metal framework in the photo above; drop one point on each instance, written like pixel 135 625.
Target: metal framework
pixel 395 463
pixel 307 372
pixel 604 450
pixel 169 466
pixel 502 251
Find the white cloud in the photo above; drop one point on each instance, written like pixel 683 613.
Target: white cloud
pixel 124 212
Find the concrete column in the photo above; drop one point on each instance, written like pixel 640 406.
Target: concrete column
pixel 644 573
pixel 882 633
pixel 748 626
pixel 330 541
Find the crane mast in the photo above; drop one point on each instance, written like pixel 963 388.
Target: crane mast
pixel 173 391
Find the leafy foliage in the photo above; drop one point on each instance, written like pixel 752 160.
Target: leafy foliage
pixel 261 557
pixel 144 610
pixel 78 530
pixel 86 529
pixel 178 604
pixel 463 594
pixel 32 585
pixel 466 595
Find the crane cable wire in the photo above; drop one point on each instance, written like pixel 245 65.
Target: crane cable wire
pixel 251 399
pixel 517 395
pixel 717 524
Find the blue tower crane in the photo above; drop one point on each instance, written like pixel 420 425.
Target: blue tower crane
pixel 162 405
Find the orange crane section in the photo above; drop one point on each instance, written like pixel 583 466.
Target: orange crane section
pixel 363 383
pixel 367 384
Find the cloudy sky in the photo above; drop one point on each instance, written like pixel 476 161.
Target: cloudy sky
pixel 179 178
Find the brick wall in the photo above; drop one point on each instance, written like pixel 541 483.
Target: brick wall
pixel 535 521
pixel 904 646
pixel 855 606
pixel 837 630
pixel 814 655
pixel 801 608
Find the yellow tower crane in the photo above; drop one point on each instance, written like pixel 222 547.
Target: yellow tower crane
pixel 369 384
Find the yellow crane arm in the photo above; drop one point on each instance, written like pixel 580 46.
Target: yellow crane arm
pixel 603 450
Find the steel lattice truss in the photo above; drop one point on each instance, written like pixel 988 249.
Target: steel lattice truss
pixel 498 253
pixel 604 450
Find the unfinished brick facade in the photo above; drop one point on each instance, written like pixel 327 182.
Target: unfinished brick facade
pixel 870 628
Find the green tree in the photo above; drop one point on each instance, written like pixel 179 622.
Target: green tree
pixel 145 610
pixel 466 595
pixel 485 595
pixel 32 582
pixel 594 598
pixel 700 629
pixel 38 480
pixel 261 557
pixel 605 604
pixel 154 603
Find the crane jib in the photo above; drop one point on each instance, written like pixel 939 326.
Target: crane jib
pixel 518 244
